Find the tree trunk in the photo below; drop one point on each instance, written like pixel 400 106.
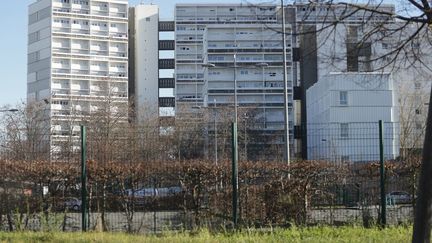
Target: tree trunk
pixel 423 210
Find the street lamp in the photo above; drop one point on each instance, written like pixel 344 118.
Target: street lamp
pixel 285 78
pixel 215 133
pixel 245 117
pixel 234 165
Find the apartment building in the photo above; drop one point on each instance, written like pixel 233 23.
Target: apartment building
pixel 222 45
pixel 151 56
pixel 356 45
pixel 343 114
pixel 77 61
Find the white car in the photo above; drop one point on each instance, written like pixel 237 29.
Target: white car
pixel 399 197
pixel 142 193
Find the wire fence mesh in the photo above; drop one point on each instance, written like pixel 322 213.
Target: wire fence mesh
pixel 149 179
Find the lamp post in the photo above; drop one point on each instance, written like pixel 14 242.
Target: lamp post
pixel 215 133
pixel 245 117
pixel 234 164
pixel 285 78
pixel 211 65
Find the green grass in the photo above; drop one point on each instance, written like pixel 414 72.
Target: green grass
pixel 310 234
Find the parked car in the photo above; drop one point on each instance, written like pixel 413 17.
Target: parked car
pixel 398 197
pixel 154 192
pixel 142 193
pixel 73 204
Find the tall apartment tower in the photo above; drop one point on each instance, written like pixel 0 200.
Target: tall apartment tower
pixel 149 81
pixel 77 61
pixel 220 45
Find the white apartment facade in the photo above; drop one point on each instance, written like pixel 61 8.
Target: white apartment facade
pixel 151 57
pixel 343 114
pixel 144 43
pixel 77 61
pixel 219 45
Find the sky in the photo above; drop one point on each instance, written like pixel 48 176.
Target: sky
pixel 13 43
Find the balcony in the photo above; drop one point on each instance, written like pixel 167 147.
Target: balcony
pixel 61 70
pixel 80 51
pixel 118 74
pixel 118 15
pixel 80 92
pixel 60 91
pixel 80 6
pixel 166 83
pixel 166 63
pixel 120 94
pixel 62 29
pixel 118 54
pixel 80 31
pixel 79 71
pixel 166 26
pixel 61 10
pixel 65 50
pixel 100 32
pixel 80 11
pixel 118 35
pixel 166 102
pixel 99 53
pixel 99 73
pixel 166 45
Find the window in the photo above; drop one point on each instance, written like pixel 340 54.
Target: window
pixel 344 158
pixel 417 85
pixel 343 97
pixel 244 72
pixel 148 19
pixel 344 130
pixel 418 111
pixel 33 37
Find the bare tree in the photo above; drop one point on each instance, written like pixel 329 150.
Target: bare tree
pixel 412 101
pixel 378 37
pixel 26 132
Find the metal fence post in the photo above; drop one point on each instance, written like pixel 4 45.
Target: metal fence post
pixel 234 174
pixel 84 213
pixel 382 176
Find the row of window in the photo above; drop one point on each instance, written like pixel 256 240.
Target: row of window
pixel 190 76
pixel 82 2
pixel 248 45
pixel 243 58
pixel 246 72
pixel 65 21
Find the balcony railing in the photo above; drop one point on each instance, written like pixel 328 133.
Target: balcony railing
pixel 118 54
pixel 62 29
pixel 62 50
pixel 60 70
pixel 99 73
pixel 77 71
pixel 80 31
pixel 118 74
pixel 118 15
pixel 80 51
pixel 99 32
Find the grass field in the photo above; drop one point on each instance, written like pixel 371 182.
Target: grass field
pixel 311 234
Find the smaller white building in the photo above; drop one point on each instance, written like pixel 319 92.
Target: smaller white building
pixel 343 110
